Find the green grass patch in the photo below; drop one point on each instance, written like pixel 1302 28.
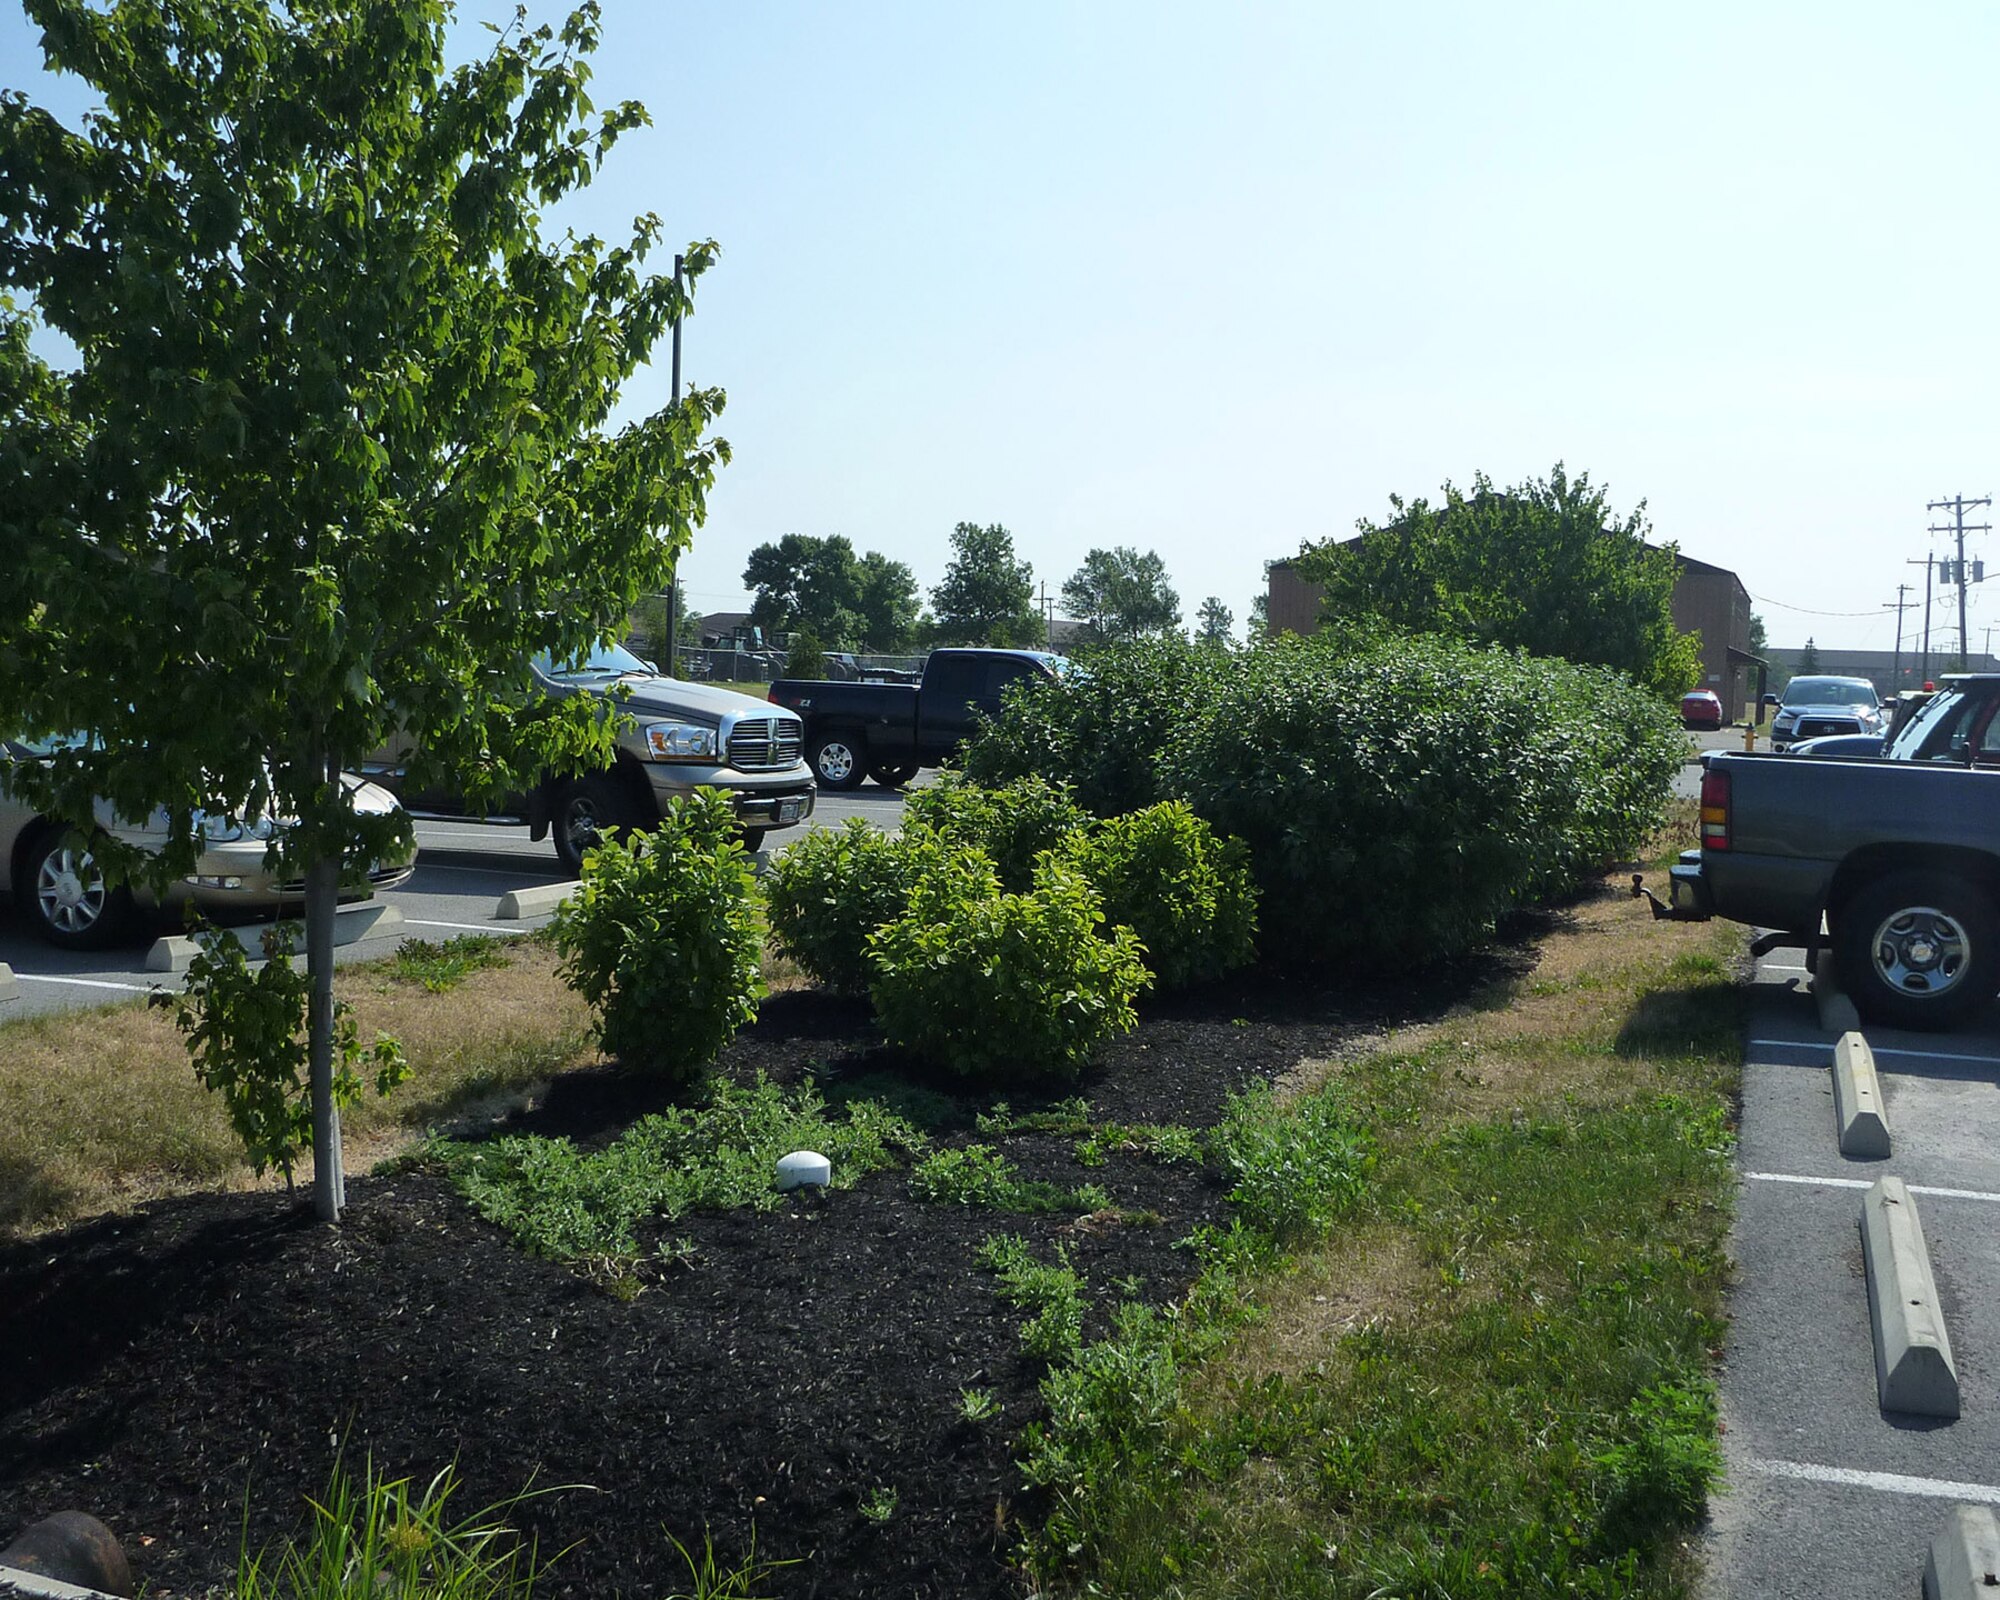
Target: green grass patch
pixel 443 966
pixel 978 1175
pixel 1513 1395
pixel 583 1206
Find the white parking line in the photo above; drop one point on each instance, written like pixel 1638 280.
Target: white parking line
pixel 1886 1482
pixel 1864 1183
pixel 489 872
pixel 1880 1050
pixel 87 983
pixel 468 927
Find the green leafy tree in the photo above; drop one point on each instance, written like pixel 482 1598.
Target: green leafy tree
pixel 335 455
pixel 1121 594
pixel 1541 567
pixel 1758 642
pixel 1258 627
pixel 886 596
pixel 805 581
pixel 987 596
pixel 646 625
pixel 1808 659
pixel 1213 621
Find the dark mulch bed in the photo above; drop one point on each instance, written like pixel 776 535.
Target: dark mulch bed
pixel 153 1368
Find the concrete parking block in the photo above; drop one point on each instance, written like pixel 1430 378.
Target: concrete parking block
pixel 1964 1562
pixel 33 1586
pixel 10 986
pixel 1836 1010
pixel 371 919
pixel 1914 1370
pixel 536 900
pixel 1857 1100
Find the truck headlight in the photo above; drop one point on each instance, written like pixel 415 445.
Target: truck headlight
pixel 679 741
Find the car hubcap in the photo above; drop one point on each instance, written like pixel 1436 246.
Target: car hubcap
pixel 836 762
pixel 70 890
pixel 1920 951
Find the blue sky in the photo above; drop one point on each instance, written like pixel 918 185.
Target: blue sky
pixel 1216 279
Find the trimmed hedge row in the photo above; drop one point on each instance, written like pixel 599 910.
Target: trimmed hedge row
pixel 1397 795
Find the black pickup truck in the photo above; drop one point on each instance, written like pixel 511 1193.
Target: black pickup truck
pixel 886 731
pixel 1898 855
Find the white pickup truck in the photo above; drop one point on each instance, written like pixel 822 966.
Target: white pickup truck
pixel 677 737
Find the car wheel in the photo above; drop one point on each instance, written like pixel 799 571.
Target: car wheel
pixel 587 812
pixel 893 777
pixel 840 760
pixel 1919 950
pixel 66 898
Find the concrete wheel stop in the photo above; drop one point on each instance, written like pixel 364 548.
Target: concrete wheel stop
pixel 371 919
pixel 1857 1101
pixel 1964 1560
pixel 1914 1370
pixel 1836 1010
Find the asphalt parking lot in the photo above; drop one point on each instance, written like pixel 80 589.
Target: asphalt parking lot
pixel 1828 1494
pixel 463 868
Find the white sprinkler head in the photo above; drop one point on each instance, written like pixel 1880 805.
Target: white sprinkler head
pixel 804 1169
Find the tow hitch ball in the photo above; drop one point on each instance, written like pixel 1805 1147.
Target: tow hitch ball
pixel 1662 912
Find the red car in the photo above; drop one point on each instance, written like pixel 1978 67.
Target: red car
pixel 1701 709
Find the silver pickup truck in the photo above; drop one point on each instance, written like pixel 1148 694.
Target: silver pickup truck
pixel 678 737
pixel 1892 862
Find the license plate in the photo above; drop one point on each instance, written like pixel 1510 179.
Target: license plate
pixel 791 810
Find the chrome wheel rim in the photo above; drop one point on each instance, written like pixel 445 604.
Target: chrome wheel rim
pixel 70 890
pixel 836 762
pixel 580 824
pixel 1921 950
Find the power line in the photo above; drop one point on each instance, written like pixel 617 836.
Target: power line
pixel 1766 600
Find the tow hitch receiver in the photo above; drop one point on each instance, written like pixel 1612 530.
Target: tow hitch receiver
pixel 1687 899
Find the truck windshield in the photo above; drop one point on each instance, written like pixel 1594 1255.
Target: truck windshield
pixel 1940 731
pixel 1829 692
pixel 606 661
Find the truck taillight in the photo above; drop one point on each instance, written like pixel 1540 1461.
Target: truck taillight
pixel 1714 810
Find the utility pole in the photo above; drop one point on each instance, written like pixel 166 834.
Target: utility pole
pixel 1048 618
pixel 1902 605
pixel 1924 672
pixel 674 399
pixel 1958 505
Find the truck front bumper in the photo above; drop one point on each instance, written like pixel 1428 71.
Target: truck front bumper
pixel 760 800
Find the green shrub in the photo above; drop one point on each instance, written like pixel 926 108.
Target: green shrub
pixel 1657 1478
pixel 1188 895
pixel 1104 730
pixel 1013 824
pixel 829 892
pixel 1292 1169
pixel 1399 797
pixel 663 939
pixel 1006 985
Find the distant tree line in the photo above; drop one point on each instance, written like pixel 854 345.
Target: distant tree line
pixel 840 599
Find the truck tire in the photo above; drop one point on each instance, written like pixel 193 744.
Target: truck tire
pixel 839 760
pixel 67 901
pixel 585 812
pixel 893 777
pixel 1919 949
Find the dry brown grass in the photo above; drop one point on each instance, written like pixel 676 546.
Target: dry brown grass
pixel 100 1111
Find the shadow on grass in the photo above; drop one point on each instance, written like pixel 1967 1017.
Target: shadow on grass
pixel 1701 1018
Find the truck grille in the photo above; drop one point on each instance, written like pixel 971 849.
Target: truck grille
pixel 761 744
pixel 1814 727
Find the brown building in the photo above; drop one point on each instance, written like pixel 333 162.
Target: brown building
pixel 1710 601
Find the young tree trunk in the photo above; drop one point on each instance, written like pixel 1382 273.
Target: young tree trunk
pixel 329 1182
